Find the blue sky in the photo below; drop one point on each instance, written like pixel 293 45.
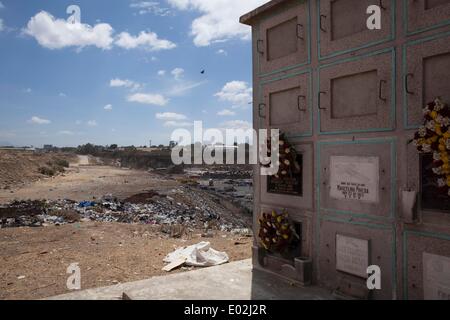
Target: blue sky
pixel 130 72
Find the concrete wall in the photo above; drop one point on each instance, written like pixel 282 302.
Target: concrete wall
pixel 341 90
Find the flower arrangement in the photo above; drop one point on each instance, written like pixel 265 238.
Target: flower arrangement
pixel 434 137
pixel 288 165
pixel 276 231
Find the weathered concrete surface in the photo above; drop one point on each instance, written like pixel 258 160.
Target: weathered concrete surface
pixel 233 281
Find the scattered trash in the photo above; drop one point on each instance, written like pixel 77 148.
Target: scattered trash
pixel 86 204
pixel 21 277
pixel 183 210
pixel 244 232
pixel 198 255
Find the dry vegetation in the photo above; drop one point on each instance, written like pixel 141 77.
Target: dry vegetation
pixel 20 167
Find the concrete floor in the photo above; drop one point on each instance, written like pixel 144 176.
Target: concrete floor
pixel 232 281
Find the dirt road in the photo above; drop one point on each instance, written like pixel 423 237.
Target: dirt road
pixel 83 160
pixel 83 181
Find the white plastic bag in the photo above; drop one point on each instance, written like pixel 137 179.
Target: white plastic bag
pixel 197 255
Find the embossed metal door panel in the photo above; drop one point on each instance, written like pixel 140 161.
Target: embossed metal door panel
pixel 287 105
pixel 357 95
pixel 426 76
pixel 284 40
pixel 343 25
pixel 425 14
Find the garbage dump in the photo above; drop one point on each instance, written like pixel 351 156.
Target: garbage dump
pixel 146 208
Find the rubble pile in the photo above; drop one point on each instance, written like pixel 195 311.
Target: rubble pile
pixel 180 206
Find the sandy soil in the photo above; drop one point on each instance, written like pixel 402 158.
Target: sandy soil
pixel 17 168
pixel 34 261
pixel 85 182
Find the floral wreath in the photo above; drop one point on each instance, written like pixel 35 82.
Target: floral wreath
pixel 434 137
pixel 276 231
pixel 287 163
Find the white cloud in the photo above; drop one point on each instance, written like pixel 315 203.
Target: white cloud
pixel 66 133
pixel 177 73
pixel 226 113
pixel 117 83
pixel 27 90
pixel 222 52
pixel 108 107
pixel 1 5
pixel 237 124
pixel 37 120
pixel 170 116
pixel 152 7
pixel 161 73
pixel 241 136
pixel 237 92
pixel 1 25
pixel 181 88
pixel 219 20
pixel 92 123
pixel 53 33
pixel 146 40
pixel 178 124
pixel 62 95
pixel 148 98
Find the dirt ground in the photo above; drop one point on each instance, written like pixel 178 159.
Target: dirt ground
pixel 85 182
pixel 17 168
pixel 33 261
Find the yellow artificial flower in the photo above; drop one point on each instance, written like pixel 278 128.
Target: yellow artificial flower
pixel 434 114
pixel 438 130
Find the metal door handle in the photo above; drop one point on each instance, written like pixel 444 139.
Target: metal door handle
pixel 409 75
pixel 320 23
pixel 258 47
pixel 261 105
pixel 301 97
pixel 298 31
pixel 319 102
pixel 380 90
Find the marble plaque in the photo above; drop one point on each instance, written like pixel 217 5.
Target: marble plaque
pixel 436 277
pixel 354 178
pixel 352 255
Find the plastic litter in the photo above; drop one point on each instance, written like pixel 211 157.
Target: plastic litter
pixel 197 255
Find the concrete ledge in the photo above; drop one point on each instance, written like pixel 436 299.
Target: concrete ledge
pixel 232 281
